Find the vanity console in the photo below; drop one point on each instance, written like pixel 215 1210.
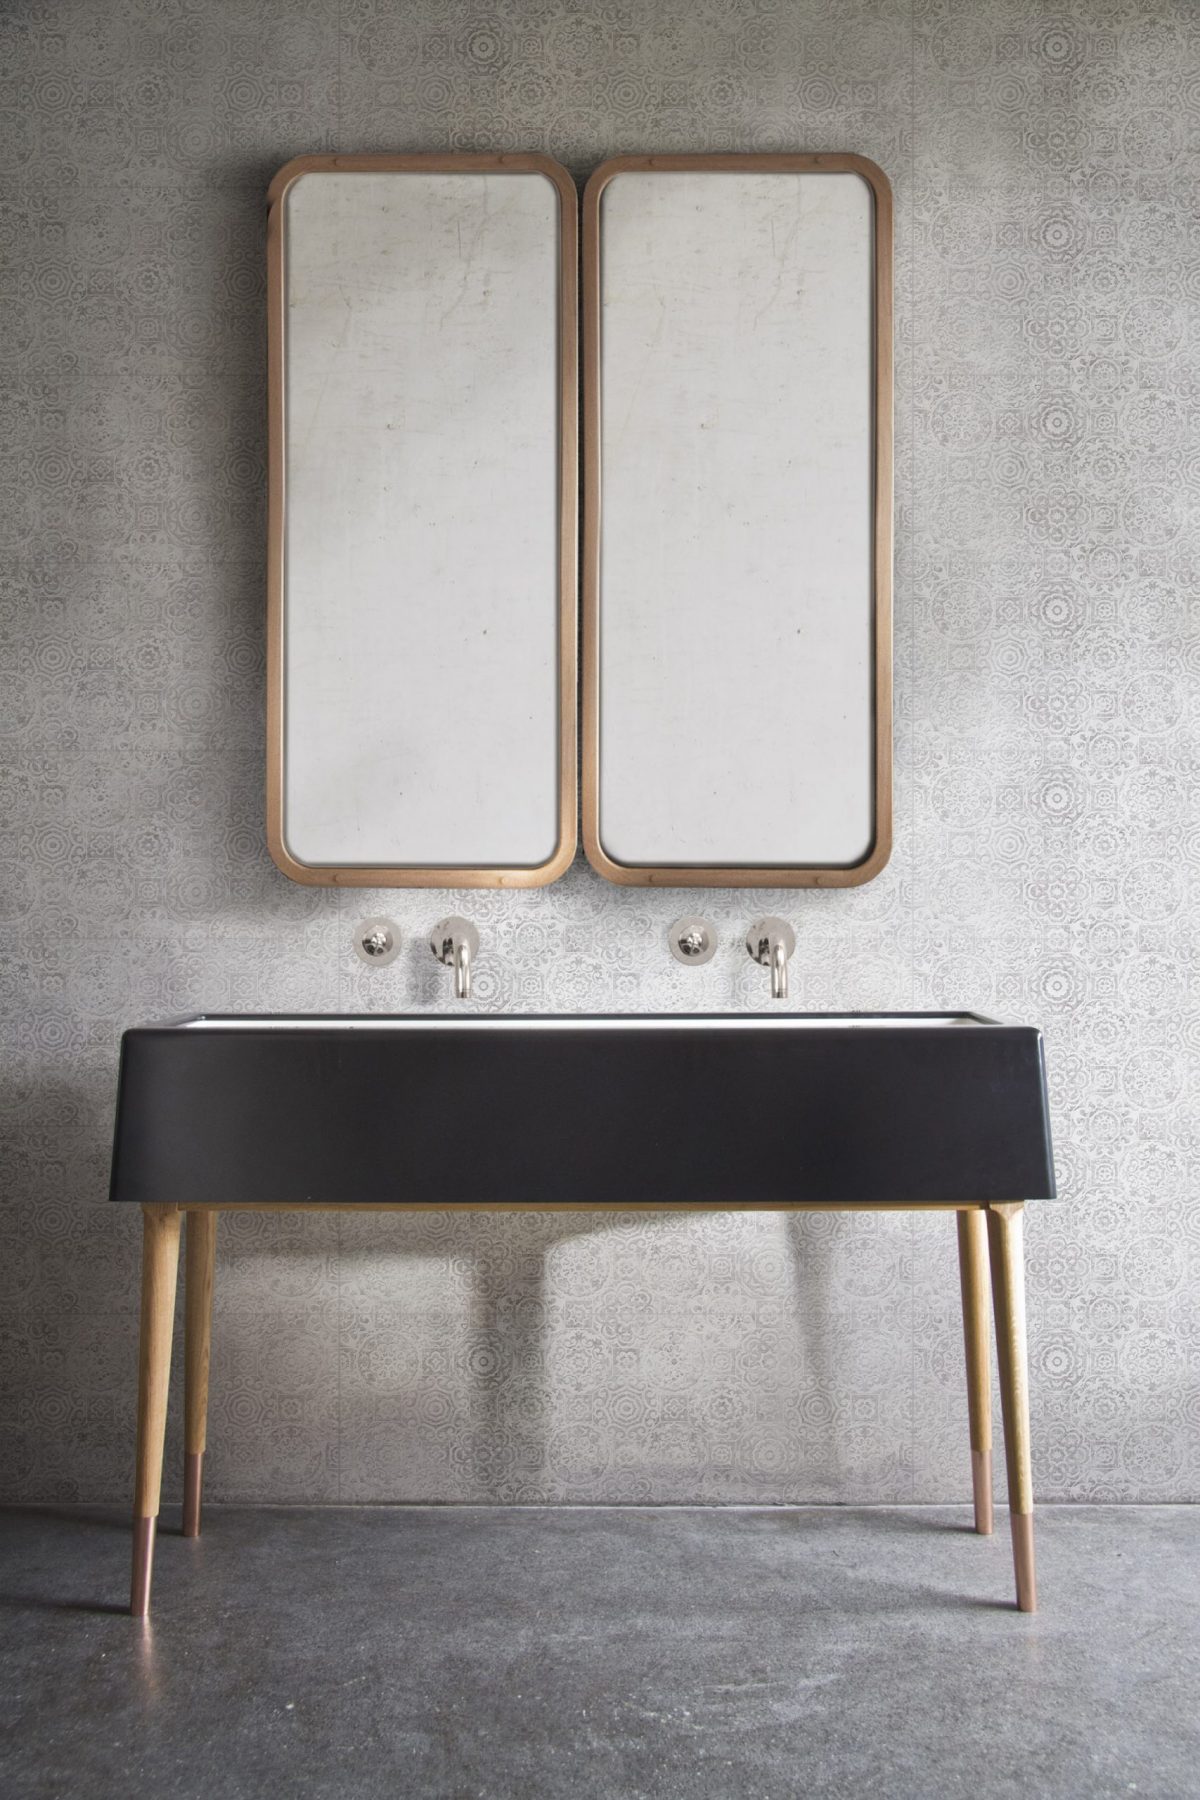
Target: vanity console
pixel 934 1112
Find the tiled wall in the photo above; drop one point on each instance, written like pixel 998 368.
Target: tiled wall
pixel 1046 163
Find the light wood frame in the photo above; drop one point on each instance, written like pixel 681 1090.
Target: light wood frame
pixel 999 1223
pixel 689 875
pixel 322 875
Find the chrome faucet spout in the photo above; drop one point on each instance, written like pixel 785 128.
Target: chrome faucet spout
pixel 770 942
pixel 779 970
pixel 455 942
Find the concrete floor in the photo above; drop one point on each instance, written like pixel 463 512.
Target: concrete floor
pixel 476 1651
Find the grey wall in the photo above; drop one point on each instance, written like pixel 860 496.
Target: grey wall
pixel 1045 162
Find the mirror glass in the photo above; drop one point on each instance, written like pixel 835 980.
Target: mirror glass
pixel 424 521
pixel 736 624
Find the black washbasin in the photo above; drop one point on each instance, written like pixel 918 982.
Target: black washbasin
pixel 677 1110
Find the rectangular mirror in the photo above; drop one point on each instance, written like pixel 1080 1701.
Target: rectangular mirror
pixel 737 551
pixel 422 564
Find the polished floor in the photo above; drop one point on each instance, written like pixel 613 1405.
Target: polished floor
pixel 477 1651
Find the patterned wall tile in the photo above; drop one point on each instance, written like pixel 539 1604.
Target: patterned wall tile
pixel 1064 240
pixel 1047 865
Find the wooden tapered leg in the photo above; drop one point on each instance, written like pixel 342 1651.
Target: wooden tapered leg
pixel 1005 1242
pixel 972 1269
pixel 160 1268
pixel 197 1344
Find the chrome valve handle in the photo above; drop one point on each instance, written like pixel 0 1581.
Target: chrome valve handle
pixel 377 942
pixel 692 940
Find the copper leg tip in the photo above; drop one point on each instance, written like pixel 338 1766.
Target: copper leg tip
pixel 193 1480
pixel 143 1563
pixel 981 1483
pixel 1022 1540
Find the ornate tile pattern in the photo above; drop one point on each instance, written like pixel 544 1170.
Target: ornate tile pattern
pixel 1045 159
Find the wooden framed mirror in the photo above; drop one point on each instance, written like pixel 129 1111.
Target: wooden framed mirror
pixel 423 518
pixel 737 520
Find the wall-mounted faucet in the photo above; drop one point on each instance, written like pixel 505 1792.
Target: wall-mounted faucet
pixel 771 942
pixel 455 942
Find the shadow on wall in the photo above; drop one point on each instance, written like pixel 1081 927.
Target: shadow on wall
pixel 617 1357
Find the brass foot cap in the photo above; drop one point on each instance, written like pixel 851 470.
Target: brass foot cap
pixel 981 1483
pixel 143 1563
pixel 1022 1542
pixel 193 1482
